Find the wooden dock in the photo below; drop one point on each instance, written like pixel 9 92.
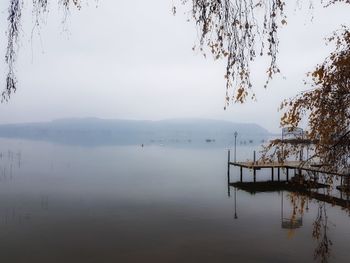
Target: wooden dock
pixel 287 166
pixel 299 183
pixel 298 167
pixel 295 165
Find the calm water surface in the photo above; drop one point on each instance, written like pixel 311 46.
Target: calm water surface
pixel 153 204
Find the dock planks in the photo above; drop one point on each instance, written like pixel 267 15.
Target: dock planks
pixel 287 165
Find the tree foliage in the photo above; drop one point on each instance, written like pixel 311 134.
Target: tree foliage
pixel 239 31
pixel 326 106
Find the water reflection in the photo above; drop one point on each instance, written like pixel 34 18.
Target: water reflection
pixel 298 199
pixel 134 204
pixel 9 162
pixel 293 222
pixel 322 251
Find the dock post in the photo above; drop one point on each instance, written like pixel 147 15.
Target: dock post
pixel 272 174
pixel 278 173
pixel 241 173
pixel 341 181
pixel 254 173
pixel 235 204
pixel 228 166
pixel 254 157
pixel 287 174
pixel 235 157
pixel 341 187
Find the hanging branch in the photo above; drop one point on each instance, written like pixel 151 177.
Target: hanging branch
pixel 15 8
pixel 231 29
pixel 14 24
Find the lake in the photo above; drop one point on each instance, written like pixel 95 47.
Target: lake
pixel 71 203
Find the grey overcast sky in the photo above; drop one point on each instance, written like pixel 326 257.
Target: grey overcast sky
pixel 134 60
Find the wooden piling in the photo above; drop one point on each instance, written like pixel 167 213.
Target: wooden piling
pixel 228 165
pixel 241 173
pixel 341 180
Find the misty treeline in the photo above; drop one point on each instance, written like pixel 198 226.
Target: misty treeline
pixel 239 31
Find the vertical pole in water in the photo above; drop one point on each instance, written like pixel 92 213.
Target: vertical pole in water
pixel 241 168
pixel 272 174
pixel 282 208
pixel 315 177
pixel 278 173
pixel 341 181
pixel 347 183
pixel 228 166
pixel 235 159
pixel 236 133
pixel 287 174
pixel 254 170
pixel 235 204
pixel 341 187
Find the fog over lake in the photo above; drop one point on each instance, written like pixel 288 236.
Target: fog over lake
pixel 94 132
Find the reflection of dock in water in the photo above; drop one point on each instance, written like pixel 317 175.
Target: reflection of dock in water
pixel 270 186
pixel 273 186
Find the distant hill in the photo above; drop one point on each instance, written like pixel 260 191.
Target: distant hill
pixel 94 131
